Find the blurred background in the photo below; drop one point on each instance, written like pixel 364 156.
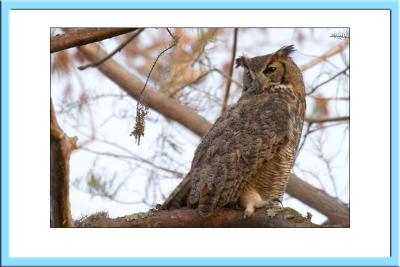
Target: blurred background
pixel 111 172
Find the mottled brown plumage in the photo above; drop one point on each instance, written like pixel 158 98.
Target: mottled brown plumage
pixel 247 155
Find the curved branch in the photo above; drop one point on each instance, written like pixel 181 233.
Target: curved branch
pixel 82 36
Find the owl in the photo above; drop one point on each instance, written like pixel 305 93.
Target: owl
pixel 246 157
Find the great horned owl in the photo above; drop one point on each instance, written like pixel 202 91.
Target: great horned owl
pixel 246 157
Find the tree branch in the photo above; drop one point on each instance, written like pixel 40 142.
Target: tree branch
pixel 322 120
pixel 337 212
pixel 82 36
pixel 174 110
pixel 228 81
pixel 328 80
pixel 61 147
pixel 116 50
pixel 331 52
pixel 185 217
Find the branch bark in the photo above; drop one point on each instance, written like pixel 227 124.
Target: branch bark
pixel 185 217
pixel 82 36
pixel 61 147
pixel 336 212
pixel 174 110
pixel 333 119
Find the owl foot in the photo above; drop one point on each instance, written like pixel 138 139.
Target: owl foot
pixel 248 212
pixel 252 206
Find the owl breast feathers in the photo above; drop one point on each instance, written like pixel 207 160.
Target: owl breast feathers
pixel 247 155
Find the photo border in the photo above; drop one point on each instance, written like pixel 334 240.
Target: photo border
pixel 393 6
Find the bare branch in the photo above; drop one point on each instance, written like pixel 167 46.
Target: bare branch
pixel 116 50
pixel 339 98
pixel 228 82
pixel 328 80
pixel 337 49
pixel 322 120
pixel 82 36
pixel 331 207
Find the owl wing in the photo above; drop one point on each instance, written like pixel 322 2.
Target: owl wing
pixel 242 139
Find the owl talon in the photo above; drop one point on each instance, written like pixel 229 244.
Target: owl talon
pixel 277 200
pixel 248 212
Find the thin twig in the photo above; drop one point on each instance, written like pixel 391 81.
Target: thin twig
pixel 141 109
pixel 304 139
pixel 203 47
pixel 223 74
pixel 116 50
pixel 310 131
pixel 322 120
pixel 228 82
pixel 135 158
pixel 327 126
pixel 344 98
pixel 204 74
pixel 156 60
pixel 328 80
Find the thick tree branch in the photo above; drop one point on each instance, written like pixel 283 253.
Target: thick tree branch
pixel 82 36
pixel 185 217
pixel 337 212
pixel 61 147
pixel 174 110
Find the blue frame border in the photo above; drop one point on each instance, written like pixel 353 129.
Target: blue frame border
pixel 393 5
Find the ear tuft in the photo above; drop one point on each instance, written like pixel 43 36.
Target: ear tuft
pixel 239 62
pixel 285 51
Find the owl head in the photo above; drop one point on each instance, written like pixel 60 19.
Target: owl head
pixel 269 70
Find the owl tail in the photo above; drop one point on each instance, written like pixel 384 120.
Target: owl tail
pixel 178 197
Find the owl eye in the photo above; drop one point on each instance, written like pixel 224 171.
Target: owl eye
pixel 269 70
